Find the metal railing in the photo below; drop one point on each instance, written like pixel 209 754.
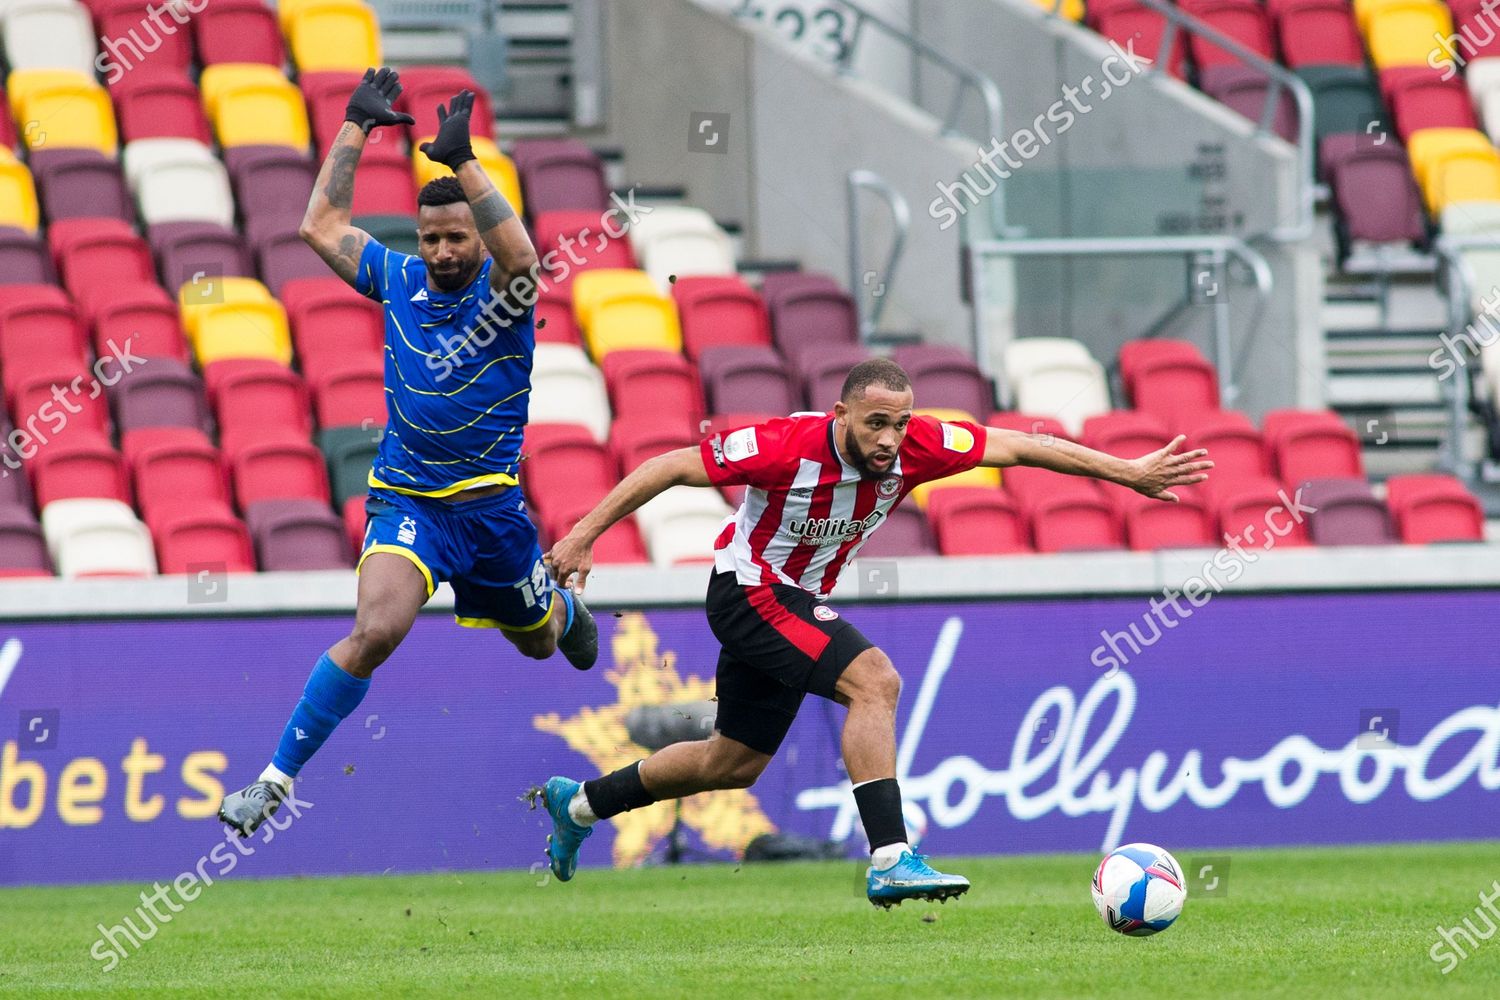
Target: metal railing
pixel 869 315
pixel 1208 256
pixel 1459 283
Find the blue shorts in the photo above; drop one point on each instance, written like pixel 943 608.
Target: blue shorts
pixel 487 548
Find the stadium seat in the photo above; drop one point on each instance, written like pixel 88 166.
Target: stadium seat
pixel 675 241
pixel 1462 177
pixel 904 532
pixel 1057 378
pixel 1074 520
pixel 1242 20
pixel 557 174
pixel 1345 100
pixel 174 477
pixel 199 252
pixel 947 375
pixel 351 393
pixel 40 35
pixel 1477 38
pixel 331 322
pixel 385 187
pixel 1236 448
pixel 1378 201
pixel 31 389
pixel 238 31
pixel 1254 511
pixel 18 200
pixel 327 96
pixel 1308 445
pixel 278 470
pixel 178 180
pixel 332 34
pixel 281 255
pixel 1176 390
pixel 142 318
pixel 423 88
pixel 78 465
pixel 257 401
pixel 1347 513
pixel 633 440
pixel 40 329
pixel 74 183
pixel 1429 147
pixel 395 232
pixel 565 468
pixel 497 166
pixel 23 549
pixel 1402 32
pixel 622 310
pixel 254 109
pixel 1151 524
pixel 231 330
pixel 681 524
pixel 555 323
pixel 93 537
pixel 974 521
pixel 571 242
pixel 297 535
pixel 210 539
pixel 1434 508
pixel 1318 33
pixel 163 392
pixel 350 452
pixel 1127 433
pixel 661 385
pixel 809 312
pixel 1244 89
pixel 272 181
pixel 748 379
pixel 823 374
pixel 159 104
pixel 1421 97
pixel 1136 25
pixel 981 478
pixel 23 259
pixel 620 544
pixel 227 291
pixel 95 255
pixel 718 311
pixel 355 521
pixel 68 108
pixel 130 46
pixel 567 389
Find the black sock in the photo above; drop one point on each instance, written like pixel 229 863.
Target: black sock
pixel 618 792
pixel 880 810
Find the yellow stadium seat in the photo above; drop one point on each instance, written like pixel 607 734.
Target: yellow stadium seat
pixel 18 205
pixel 501 171
pixel 242 330
pixel 221 78
pixel 194 298
pixel 1405 32
pixel 286 9
pixel 1473 175
pixel 595 285
pixel 622 309
pixel 1070 9
pixel 945 414
pixel 1429 145
pixel 333 35
pixel 265 112
pixel 69 110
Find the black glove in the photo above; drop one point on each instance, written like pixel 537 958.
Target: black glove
pixel 451 145
pixel 370 104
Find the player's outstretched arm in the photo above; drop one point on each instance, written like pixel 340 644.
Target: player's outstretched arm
pixel 326 225
pixel 1151 475
pixel 494 216
pixel 574 554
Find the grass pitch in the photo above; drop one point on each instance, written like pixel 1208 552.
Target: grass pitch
pixel 1324 924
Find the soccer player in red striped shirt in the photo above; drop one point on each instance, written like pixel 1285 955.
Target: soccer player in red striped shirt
pixel 818 485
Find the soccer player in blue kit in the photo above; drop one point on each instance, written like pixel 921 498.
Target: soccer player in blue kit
pixel 444 498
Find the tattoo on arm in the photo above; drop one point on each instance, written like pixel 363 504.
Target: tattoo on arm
pixel 340 188
pixel 490 209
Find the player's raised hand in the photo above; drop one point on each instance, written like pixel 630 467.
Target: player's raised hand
pixel 1155 474
pixel 451 146
pixel 573 555
pixel 372 102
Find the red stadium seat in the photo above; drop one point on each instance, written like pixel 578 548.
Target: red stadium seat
pixel 661 385
pixel 384 187
pixel 40 329
pixel 560 174
pixel 1127 433
pixel 331 322
pixel 1253 513
pixel 351 394
pixel 78 465
pixel 1245 21
pixel 1474 24
pixel 1073 522
pixel 974 521
pixel 135 443
pixel 142 318
pixel 1434 508
pixel 1142 28
pixel 423 88
pixel 1318 33
pixel 327 93
pixel 175 477
pixel 1234 446
pixel 1153 524
pixel 279 470
pixel 1309 445
pixel 159 102
pixel 1421 97
pixel 257 401
pixel 209 537
pixel 1029 486
pixel 555 322
pixel 720 311
pixel 1043 427
pixel 573 241
pixel 1177 390
pixel 31 394
pixel 620 544
pixel 123 20
pixel 563 471
pixel 355 521
pixel 94 256
pixel 633 440
pixel 243 31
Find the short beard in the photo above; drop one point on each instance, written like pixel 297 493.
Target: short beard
pixel 454 284
pixel 860 460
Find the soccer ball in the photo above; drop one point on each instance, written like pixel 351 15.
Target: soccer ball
pixel 1139 890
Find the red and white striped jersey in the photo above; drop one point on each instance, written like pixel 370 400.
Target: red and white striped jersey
pixel 807 512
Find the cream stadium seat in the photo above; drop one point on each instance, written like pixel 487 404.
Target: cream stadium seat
pixel 678 241
pixel 178 180
pixel 1056 377
pixel 567 389
pixel 42 34
pixel 681 524
pixel 88 537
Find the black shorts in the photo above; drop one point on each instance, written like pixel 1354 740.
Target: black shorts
pixel 779 644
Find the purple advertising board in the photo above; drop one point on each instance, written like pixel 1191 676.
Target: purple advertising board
pixel 1025 726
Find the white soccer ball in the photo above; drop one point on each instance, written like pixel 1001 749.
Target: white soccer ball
pixel 1139 890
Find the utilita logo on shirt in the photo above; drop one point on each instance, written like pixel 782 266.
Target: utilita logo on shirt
pixel 833 530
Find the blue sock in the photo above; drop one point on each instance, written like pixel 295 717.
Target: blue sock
pixel 567 599
pixel 329 697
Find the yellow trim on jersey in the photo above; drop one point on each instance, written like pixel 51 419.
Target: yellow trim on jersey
pixel 397 550
pixel 395 405
pixel 492 623
pixel 488 479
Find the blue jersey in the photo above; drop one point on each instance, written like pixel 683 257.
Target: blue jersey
pixel 457 381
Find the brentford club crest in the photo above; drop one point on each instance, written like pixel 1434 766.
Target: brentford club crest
pixel 888 487
pixel 824 613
